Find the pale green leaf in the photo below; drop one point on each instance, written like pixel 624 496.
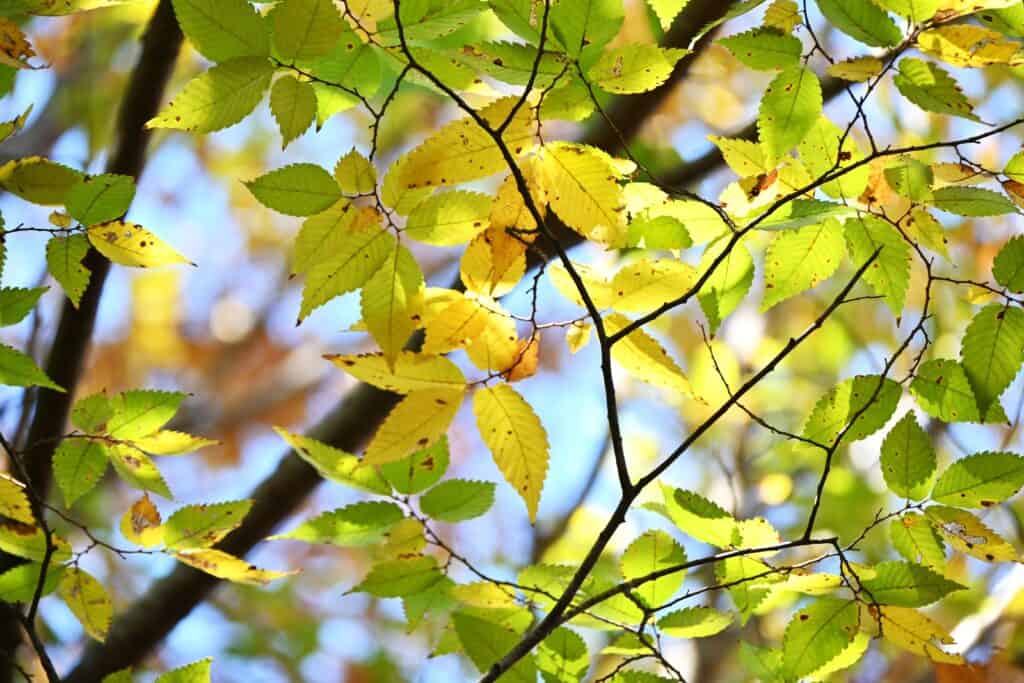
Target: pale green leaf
pixel 218 98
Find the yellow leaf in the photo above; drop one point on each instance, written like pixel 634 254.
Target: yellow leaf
pixel 509 209
pixel 454 325
pixel 171 442
pixel 463 151
pixel 355 174
pixel 224 566
pixel 969 535
pixel 527 358
pixel 914 632
pixel 516 438
pixel 392 301
pixel 642 286
pixel 419 420
pixel 142 525
pixel 493 263
pixel 88 601
pixel 599 289
pixel 578 335
pixel 496 347
pixel 132 245
pixel 396 194
pixel 14 503
pixel 449 218
pixel 29 541
pixel 966 45
pixel 642 356
pixel 410 371
pixel 582 187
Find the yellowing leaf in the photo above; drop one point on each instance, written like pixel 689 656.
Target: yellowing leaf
pixel 642 356
pixel 643 286
pixel 293 104
pixel 392 301
pixel 129 244
pixel 582 188
pixel 449 218
pixel 228 567
pixel 409 372
pixel 142 524
pixel 912 631
pixel 858 69
pixel 463 151
pixel 351 258
pixel 88 601
pixel 171 442
pixel 355 173
pixel 38 180
pixel 966 45
pixel 14 502
pixel 419 419
pixel 634 68
pixel 201 526
pixel 516 438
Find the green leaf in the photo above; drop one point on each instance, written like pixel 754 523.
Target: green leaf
pixel 908 459
pixel 306 29
pixel 764 49
pixel 419 471
pixel 817 633
pixel 456 500
pixel 1014 169
pixel 19 584
pixel 397 578
pixel 201 526
pixel 889 275
pixel 992 351
pixel 582 26
pixel 16 302
pixel 293 104
pixel 943 391
pixel 354 525
pixel 1008 267
pixel 922 227
pixel 38 180
pixel 728 285
pixel 562 657
pixel 218 98
pixel 797 260
pixel 223 29
pixel 336 465
pixel 699 517
pixel 100 199
pixel 352 258
pixel 90 414
pixel 694 622
pixel 64 261
pixel 449 218
pixel 862 20
pixel 658 232
pixel 911 178
pixel 651 552
pixel 486 642
pixel 789 109
pixel 296 190
pixel 906 584
pixel 875 396
pixel 980 480
pixel 139 413
pixel 932 88
pixel 800 213
pixel 352 63
pixel 971 201
pixel 196 672
pixel 19 370
pixel 914 538
pixel 78 465
pixel 635 68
